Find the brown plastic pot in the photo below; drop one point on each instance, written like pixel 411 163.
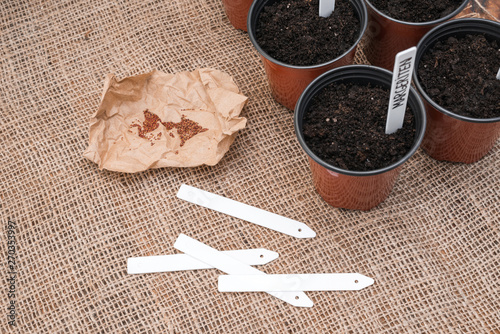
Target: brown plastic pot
pixel 449 136
pixel 237 11
pixel 385 36
pixel 357 190
pixel 287 81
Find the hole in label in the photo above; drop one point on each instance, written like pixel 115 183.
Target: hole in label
pixel 300 230
pixel 261 256
pixel 297 297
pixel 356 281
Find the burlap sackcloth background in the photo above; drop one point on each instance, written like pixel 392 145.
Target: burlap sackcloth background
pixel 432 246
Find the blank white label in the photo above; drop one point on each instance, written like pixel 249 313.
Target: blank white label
pixel 178 262
pixel 294 282
pixel 245 212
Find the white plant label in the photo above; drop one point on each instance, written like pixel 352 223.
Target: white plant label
pixel 178 262
pixel 245 212
pixel 498 74
pixel 294 282
pixel 229 265
pixel 400 89
pixel 326 7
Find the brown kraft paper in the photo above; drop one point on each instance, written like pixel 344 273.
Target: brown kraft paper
pixel 171 105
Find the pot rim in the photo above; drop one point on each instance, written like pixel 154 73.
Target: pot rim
pixel 426 23
pixel 364 23
pixel 318 82
pixel 422 48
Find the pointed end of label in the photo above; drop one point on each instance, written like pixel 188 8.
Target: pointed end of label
pixel 263 256
pixel 364 281
pixel 311 234
pixel 369 281
pixel 269 255
pixel 301 300
pixel 304 231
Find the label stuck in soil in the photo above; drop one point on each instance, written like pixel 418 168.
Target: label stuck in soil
pixel 344 126
pixel 326 7
pixel 400 89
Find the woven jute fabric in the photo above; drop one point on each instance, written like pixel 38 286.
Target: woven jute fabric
pixel 432 246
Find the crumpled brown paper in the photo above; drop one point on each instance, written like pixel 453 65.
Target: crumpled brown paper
pixel 206 96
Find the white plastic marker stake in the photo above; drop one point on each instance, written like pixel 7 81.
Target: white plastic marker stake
pixel 294 282
pixel 178 262
pixel 400 89
pixel 498 74
pixel 232 266
pixel 326 7
pixel 246 212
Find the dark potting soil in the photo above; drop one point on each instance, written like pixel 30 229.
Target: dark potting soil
pixel 416 10
pixel 459 74
pixel 292 31
pixel 345 126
